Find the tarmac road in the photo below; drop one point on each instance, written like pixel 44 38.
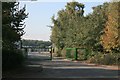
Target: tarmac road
pixel 38 65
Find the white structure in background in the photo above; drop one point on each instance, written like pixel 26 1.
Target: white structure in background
pixel 29 50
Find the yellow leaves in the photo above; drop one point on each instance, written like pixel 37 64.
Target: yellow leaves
pixel 110 38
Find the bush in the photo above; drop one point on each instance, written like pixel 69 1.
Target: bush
pixel 12 58
pixel 85 54
pixel 63 52
pixel 106 59
pixel 81 54
pixel 57 52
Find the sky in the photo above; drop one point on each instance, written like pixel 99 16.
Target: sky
pixel 40 14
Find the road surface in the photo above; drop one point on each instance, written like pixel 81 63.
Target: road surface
pixel 39 65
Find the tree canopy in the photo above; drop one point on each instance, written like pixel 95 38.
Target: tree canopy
pixel 12 29
pixel 98 31
pixel 12 24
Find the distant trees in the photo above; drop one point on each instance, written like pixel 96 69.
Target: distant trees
pixel 98 31
pixel 36 43
pixel 12 30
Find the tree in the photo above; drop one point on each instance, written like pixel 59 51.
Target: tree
pixel 95 23
pixel 36 43
pixel 12 30
pixel 110 38
pixel 65 28
pixel 12 24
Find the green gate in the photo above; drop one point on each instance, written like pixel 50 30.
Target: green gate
pixel 76 53
pixel 71 53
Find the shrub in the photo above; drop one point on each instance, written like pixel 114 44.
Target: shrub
pixel 12 58
pixel 63 52
pixel 106 59
pixel 85 54
pixel 57 52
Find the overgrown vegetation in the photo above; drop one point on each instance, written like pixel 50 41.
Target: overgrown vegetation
pixel 12 30
pixel 97 32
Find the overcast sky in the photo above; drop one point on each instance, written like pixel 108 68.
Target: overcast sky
pixel 40 14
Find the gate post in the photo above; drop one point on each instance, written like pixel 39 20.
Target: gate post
pixel 76 54
pixel 51 53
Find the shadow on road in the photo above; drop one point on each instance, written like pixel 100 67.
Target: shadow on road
pixel 39 66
